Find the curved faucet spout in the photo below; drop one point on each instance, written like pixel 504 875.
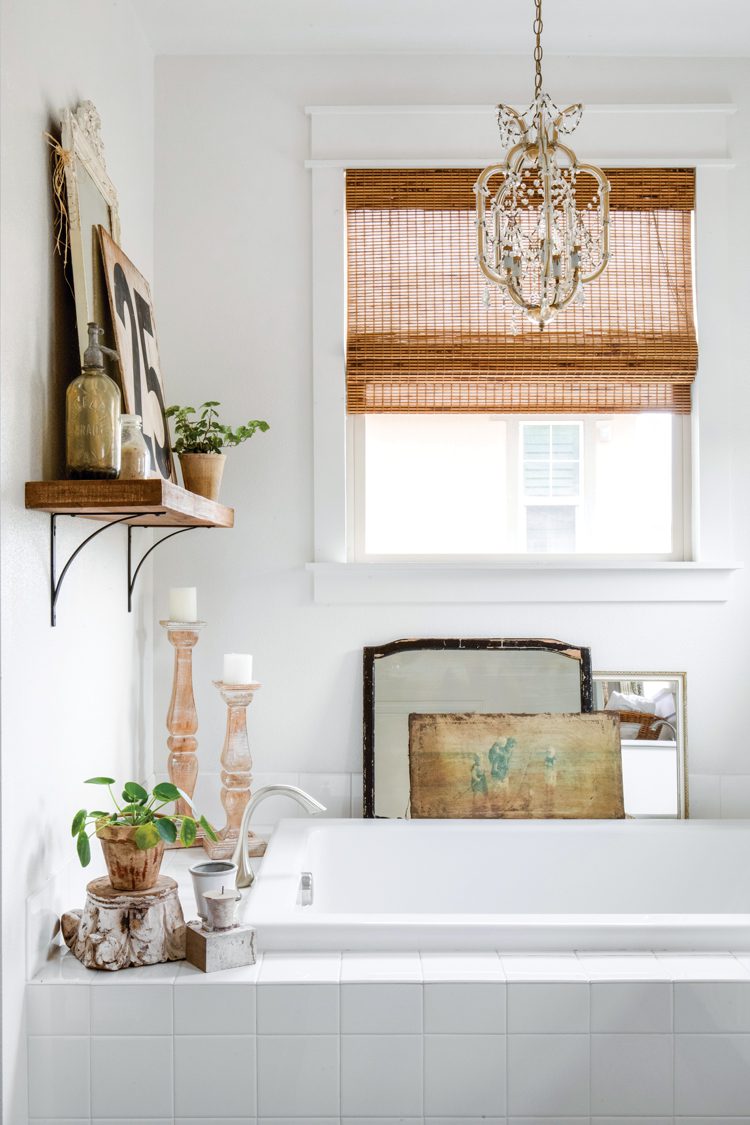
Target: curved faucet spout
pixel 245 875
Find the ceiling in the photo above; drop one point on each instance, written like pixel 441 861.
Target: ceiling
pixel 589 27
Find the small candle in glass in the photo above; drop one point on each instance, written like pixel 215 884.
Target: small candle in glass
pixel 238 668
pixel 183 603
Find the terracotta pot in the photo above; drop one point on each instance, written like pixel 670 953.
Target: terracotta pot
pixel 129 868
pixel 202 473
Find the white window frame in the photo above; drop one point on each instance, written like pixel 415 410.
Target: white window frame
pixel 372 136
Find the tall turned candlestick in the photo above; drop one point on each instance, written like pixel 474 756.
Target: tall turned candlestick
pixel 182 718
pixel 236 765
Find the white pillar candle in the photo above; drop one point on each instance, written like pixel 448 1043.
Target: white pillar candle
pixel 183 603
pixel 238 668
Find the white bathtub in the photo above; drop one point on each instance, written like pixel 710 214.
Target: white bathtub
pixel 508 885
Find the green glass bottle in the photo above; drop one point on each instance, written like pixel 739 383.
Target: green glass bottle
pixel 92 418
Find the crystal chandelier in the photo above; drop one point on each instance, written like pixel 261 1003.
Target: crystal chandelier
pixel 542 218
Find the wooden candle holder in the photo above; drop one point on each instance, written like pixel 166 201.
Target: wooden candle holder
pixel 236 777
pixel 182 717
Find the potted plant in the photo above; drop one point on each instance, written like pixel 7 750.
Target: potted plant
pixel 133 837
pixel 199 440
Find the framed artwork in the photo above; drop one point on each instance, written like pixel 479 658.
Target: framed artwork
pixel 516 766
pixel 134 325
pixel 91 202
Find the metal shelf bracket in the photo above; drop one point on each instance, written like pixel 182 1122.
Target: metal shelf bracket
pixel 133 574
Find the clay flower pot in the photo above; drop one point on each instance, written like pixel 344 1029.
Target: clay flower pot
pixel 202 473
pixel 129 868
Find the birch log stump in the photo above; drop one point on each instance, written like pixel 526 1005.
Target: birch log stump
pixel 121 929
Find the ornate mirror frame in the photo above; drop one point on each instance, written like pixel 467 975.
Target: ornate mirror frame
pixel 489 644
pixel 82 144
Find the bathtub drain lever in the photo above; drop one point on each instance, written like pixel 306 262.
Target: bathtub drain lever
pixel 305 894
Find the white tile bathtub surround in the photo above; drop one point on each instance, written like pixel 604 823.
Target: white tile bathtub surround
pixel 147 1060
pixel 296 968
pixel 703 966
pixel 382 1008
pixel 619 966
pixel 214 1073
pixel 735 797
pixel 381 1075
pixel 542 966
pixel 544 1006
pixel 133 1009
pixel 227 1009
pixel 464 1074
pixel 465 1008
pixel 631 1006
pixel 563 1060
pixel 312 1061
pixel 297 1009
pixel 455 967
pixel 704 791
pixel 63 1010
pixel 712 1075
pixel 631 1074
pixel 722 1006
pixel 59 1076
pixel 364 967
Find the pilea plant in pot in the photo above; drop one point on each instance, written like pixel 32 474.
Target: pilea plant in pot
pixel 133 837
pixel 199 440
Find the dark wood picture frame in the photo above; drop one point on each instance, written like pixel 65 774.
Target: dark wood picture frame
pixel 371 653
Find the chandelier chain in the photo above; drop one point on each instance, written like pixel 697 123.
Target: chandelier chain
pixel 538 28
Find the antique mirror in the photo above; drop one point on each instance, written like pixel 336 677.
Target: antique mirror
pixel 91 202
pixel 483 676
pixel 652 708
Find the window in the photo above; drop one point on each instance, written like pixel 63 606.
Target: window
pixel 468 439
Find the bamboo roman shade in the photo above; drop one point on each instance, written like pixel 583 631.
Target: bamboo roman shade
pixel 419 339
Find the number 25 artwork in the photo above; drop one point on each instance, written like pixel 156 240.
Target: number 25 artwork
pixel 135 341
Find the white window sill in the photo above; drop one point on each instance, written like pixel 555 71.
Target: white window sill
pixel 497 582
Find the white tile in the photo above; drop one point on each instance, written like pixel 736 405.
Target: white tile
pixel 278 968
pixel 631 1006
pixel 735 796
pixel 631 1074
pixel 562 1060
pixel 631 1120
pixel 214 1070
pixel 59 1070
pixel 549 1121
pixel 298 1009
pixel 381 1008
pixel 148 1062
pixel 467 1121
pixel 246 974
pixel 134 1121
pixel 63 968
pixel 704 795
pixel 702 966
pixel 313 1060
pixel 223 1010
pixel 60 1009
pixel 712 1074
pixel 357 795
pixel 138 1009
pixel 71 1120
pixel 292 1121
pixel 620 966
pixel 457 1008
pixel 548 1006
pixel 334 790
pixel 455 967
pixel 381 1075
pixel 389 1121
pixel 542 966
pixel 464 1074
pixel 712 1121
pixel 43 910
pixel 365 967
pixel 163 973
pixel 215 1121
pixel 719 1006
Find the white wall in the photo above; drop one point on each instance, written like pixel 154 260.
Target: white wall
pixel 76 700
pixel 234 303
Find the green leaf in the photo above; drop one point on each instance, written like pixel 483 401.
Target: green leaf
pixel 166 791
pixel 188 831
pixel 99 781
pixel 97 814
pixel 166 830
pixel 132 791
pixel 83 847
pixel 79 821
pixel 147 836
pixel 208 829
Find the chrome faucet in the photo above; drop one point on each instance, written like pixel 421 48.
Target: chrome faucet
pixel 245 875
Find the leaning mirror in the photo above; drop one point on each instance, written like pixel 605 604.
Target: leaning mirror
pixel 652 708
pixel 455 676
pixel 91 201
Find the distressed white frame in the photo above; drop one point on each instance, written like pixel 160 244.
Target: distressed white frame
pixel 415 136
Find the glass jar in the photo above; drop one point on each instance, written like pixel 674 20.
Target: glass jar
pixel 135 463
pixel 92 418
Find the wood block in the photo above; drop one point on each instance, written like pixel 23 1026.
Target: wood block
pixel 211 951
pixel 122 929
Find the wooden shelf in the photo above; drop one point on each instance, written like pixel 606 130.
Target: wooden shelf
pixel 155 503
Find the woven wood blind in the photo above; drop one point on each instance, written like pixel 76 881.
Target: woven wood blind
pixel 419 339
